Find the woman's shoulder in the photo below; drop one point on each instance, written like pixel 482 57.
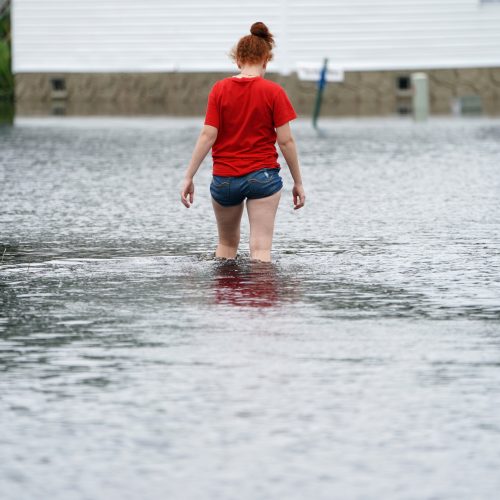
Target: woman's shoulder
pixel 269 86
pixel 263 81
pixel 273 86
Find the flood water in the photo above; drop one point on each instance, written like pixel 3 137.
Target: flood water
pixel 363 363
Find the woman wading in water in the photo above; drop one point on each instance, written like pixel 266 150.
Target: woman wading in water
pixel 246 115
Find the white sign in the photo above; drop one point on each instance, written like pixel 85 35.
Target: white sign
pixel 312 71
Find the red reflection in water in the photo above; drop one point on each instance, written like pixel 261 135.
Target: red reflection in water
pixel 252 284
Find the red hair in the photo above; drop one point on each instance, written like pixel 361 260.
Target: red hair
pixel 254 48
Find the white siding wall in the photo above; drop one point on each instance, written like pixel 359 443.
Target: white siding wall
pixel 196 35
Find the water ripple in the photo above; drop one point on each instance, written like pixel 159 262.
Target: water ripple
pixel 364 362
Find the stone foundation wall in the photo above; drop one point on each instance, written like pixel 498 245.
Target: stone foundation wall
pixel 365 93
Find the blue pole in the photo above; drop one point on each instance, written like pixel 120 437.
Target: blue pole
pixel 319 95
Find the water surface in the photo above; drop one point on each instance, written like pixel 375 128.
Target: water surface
pixel 364 362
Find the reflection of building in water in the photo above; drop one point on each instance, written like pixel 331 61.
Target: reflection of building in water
pixel 163 57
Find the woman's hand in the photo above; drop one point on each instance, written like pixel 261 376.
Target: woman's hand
pixel 187 192
pixel 299 196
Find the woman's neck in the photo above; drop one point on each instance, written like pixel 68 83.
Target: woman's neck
pixel 252 71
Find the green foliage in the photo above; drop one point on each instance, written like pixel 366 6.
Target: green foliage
pixel 5 23
pixel 6 78
pixel 7 111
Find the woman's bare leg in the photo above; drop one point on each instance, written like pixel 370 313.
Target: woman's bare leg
pixel 261 214
pixel 228 225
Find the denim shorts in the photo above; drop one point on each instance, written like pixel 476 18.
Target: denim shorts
pixel 229 191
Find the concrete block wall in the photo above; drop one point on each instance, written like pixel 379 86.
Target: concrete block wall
pixel 363 93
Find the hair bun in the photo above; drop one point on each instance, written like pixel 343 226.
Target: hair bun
pixel 255 48
pixel 260 29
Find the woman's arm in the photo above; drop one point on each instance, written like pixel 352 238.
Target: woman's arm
pixel 205 141
pixel 286 144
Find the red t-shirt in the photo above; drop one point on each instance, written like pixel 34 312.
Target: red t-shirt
pixel 246 112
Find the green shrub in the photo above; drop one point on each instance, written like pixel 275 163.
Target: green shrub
pixel 6 78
